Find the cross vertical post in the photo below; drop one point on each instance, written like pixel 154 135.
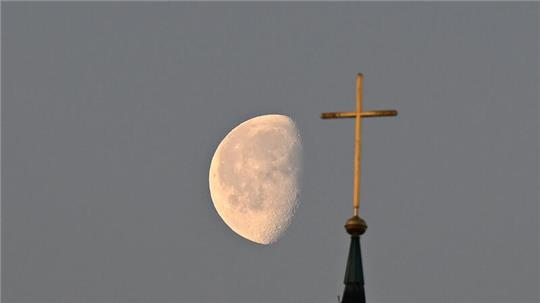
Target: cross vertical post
pixel 357 144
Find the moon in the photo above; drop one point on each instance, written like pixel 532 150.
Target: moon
pixel 254 177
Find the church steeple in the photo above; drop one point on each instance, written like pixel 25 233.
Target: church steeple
pixel 354 273
pixel 356 226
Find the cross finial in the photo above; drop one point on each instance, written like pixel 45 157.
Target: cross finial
pixel 358 115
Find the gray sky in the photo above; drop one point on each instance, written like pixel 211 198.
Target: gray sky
pixel 112 111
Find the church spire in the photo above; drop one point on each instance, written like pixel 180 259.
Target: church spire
pixel 356 226
pixel 354 273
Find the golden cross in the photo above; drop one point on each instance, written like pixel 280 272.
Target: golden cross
pixel 358 115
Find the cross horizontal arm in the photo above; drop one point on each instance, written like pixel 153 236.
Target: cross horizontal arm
pixel 370 114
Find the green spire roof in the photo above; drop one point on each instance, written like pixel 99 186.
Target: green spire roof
pixel 354 275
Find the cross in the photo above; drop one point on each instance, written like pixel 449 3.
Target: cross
pixel 358 115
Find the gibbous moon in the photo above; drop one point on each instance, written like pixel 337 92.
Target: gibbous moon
pixel 254 177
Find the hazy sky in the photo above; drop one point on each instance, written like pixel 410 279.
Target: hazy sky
pixel 111 113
